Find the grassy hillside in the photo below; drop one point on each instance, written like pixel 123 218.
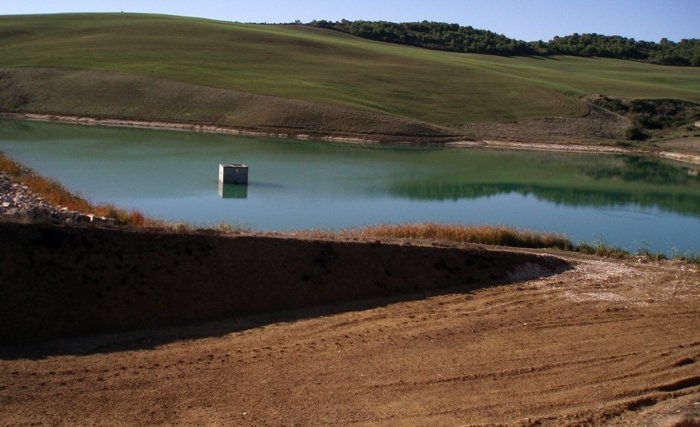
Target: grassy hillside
pixel 101 94
pixel 306 64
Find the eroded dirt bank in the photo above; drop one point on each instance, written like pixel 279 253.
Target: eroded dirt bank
pixel 608 342
pixel 65 281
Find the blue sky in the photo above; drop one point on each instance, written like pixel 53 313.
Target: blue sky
pixel 527 20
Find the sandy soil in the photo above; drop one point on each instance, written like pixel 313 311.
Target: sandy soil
pixel 605 342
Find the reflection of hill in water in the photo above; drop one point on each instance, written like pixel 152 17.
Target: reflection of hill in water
pixel 595 181
pixel 683 203
pixel 643 170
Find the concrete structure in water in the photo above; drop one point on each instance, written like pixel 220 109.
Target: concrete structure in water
pixel 236 173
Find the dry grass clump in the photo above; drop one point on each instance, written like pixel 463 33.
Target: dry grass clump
pixel 605 250
pixel 482 234
pixel 493 235
pixel 54 193
pixel 122 216
pixel 9 167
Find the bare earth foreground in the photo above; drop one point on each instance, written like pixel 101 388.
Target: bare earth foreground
pixel 430 335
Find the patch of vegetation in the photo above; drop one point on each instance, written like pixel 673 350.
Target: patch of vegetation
pixel 9 167
pixel 227 227
pixel 693 259
pixel 492 235
pixel 601 249
pixel 481 234
pixel 663 113
pixel 686 52
pixel 648 115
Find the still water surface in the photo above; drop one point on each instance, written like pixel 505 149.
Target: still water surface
pixel 626 201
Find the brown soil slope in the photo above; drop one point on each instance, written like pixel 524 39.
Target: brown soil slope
pixel 127 97
pixel 606 342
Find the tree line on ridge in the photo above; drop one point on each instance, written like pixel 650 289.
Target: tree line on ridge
pixel 456 38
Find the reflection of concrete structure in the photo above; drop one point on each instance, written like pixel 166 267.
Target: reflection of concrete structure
pixel 233 191
pixel 236 173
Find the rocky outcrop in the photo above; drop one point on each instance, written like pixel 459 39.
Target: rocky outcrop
pixel 18 203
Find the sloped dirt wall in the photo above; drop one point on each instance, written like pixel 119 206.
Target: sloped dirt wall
pixel 67 281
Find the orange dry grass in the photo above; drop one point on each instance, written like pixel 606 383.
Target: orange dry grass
pixel 55 193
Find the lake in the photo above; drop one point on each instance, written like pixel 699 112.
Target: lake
pixel 627 201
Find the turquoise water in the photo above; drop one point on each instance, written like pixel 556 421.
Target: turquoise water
pixel 626 201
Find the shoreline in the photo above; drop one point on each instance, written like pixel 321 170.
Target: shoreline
pixel 227 130
pixel 174 126
pixel 692 159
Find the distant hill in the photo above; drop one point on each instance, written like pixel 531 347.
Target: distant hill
pixel 456 38
pixel 308 80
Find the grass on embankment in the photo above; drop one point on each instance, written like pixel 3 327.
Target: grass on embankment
pixel 492 235
pixel 481 234
pixel 313 65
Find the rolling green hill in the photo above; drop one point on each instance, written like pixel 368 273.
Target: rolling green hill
pixel 294 77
